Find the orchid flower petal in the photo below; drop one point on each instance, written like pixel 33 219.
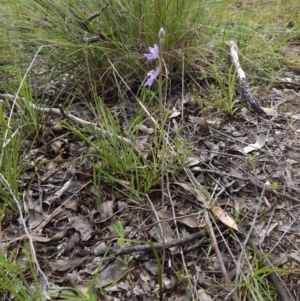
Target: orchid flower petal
pixel 152 76
pixel 153 53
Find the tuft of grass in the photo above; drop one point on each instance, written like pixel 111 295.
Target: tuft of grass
pixel 126 259
pixel 118 162
pixel 10 143
pixel 87 35
pixel 15 281
pixel 256 286
pixel 225 99
pixel 18 124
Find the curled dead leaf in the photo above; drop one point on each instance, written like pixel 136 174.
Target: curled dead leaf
pixel 174 113
pixel 146 130
pixel 125 182
pixel 257 145
pixel 64 188
pixel 57 146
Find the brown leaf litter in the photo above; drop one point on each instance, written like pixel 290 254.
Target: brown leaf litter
pixel 72 221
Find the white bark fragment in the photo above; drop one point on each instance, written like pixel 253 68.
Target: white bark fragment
pixel 241 76
pixel 234 49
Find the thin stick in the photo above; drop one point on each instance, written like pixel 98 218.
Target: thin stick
pixel 163 154
pixel 176 229
pixel 238 266
pixel 211 232
pixel 147 248
pixel 161 35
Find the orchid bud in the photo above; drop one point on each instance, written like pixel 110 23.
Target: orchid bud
pixel 161 33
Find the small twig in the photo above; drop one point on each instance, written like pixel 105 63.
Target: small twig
pixel 62 112
pixel 211 232
pixel 72 117
pixel 287 230
pixel 238 267
pixel 147 248
pixel 93 16
pixel 176 226
pixel 4 181
pixel 274 279
pixel 92 39
pixel 156 215
pixel 97 14
pixel 218 253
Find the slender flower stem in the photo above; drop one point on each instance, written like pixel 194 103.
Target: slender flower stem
pixel 163 140
pixel 156 53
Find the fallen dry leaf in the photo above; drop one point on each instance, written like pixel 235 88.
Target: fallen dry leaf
pixel 106 209
pixel 71 243
pixel 81 224
pixel 174 113
pixel 61 191
pixel 67 265
pixel 203 296
pixel 112 273
pixel 125 182
pixel 205 122
pixel 222 215
pixel 199 195
pixel 146 129
pixel 57 146
pixel 257 145
pixel 189 221
pixel 293 115
pixel 270 112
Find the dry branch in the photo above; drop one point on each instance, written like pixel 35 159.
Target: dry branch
pixel 241 76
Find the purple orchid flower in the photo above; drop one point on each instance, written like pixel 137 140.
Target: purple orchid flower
pixel 152 76
pixel 153 53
